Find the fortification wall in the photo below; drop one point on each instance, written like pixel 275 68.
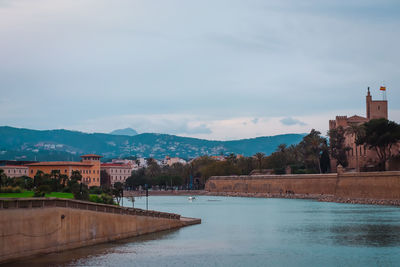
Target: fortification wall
pixel 369 185
pixel 52 226
pixel 373 185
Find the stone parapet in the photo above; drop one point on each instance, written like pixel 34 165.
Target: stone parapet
pixel 373 185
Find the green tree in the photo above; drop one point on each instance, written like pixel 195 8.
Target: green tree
pixel 3 178
pixel 381 135
pixel 259 156
pixel 153 169
pixel 80 191
pixel 337 146
pixel 118 191
pixel 313 145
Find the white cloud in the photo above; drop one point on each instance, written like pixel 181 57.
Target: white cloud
pixel 223 69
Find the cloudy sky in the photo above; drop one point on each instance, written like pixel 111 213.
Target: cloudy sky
pixel 215 69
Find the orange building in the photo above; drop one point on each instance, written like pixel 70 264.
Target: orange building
pixel 360 156
pixel 89 167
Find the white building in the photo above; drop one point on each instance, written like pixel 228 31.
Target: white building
pixel 171 161
pixel 117 172
pixel 15 170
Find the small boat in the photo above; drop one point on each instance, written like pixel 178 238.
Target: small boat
pixel 191 198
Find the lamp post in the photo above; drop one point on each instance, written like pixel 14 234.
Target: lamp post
pixel 147 196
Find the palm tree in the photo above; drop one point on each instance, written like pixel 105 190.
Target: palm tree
pixel 281 148
pixel 3 177
pixel 357 131
pixel 259 156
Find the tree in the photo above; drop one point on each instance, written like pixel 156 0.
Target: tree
pixel 80 191
pixel 38 179
pixel 381 135
pixel 3 178
pixel 259 156
pixel 153 168
pixel 357 132
pixel 76 177
pixel 313 145
pixel 118 191
pixel 337 146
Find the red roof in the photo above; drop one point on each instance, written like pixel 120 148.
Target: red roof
pixel 14 166
pixel 115 165
pixel 91 155
pixel 60 163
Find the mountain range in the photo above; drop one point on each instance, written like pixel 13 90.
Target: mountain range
pixel 42 145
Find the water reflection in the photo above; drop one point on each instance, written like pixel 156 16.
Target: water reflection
pixel 86 254
pixel 376 235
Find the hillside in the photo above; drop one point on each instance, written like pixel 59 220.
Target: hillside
pixel 64 144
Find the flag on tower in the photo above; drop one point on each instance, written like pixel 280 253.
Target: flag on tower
pixel 383 88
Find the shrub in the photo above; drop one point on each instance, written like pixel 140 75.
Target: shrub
pixel 42 190
pixel 107 199
pixel 95 190
pixel 66 190
pixel 80 191
pixel 8 189
pixel 17 189
pixel 103 198
pixel 95 198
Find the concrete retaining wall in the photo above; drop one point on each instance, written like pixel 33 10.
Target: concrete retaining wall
pixel 31 227
pixel 374 185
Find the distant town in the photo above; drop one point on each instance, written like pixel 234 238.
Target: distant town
pixel 349 146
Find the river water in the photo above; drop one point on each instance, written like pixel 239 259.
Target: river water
pixel 252 232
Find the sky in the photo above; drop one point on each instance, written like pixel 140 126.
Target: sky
pixel 213 69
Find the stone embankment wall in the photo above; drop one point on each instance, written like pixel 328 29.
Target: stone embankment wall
pixel 373 185
pixel 35 226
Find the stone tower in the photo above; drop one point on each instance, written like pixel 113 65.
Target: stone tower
pixel 376 109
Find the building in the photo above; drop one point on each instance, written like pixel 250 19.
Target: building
pixel 15 170
pixel 89 167
pixel 133 163
pixel 171 161
pixel 116 172
pixel 359 156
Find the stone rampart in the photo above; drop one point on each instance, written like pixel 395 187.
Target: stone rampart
pixel 373 185
pixel 36 226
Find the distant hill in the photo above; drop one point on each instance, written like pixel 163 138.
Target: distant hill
pixel 126 131
pixel 25 144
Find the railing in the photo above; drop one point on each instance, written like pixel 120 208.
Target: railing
pixel 31 203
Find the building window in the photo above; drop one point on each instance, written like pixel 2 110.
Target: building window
pixel 65 171
pixel 31 171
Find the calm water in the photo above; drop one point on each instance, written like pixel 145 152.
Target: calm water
pixel 253 232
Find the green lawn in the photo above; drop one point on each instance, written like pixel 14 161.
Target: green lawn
pixel 30 194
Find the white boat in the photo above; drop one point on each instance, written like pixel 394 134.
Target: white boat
pixel 191 198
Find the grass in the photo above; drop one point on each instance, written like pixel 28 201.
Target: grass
pixel 30 194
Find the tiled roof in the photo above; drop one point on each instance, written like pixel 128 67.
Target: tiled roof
pixel 60 163
pixel 115 165
pixel 14 166
pixel 91 155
